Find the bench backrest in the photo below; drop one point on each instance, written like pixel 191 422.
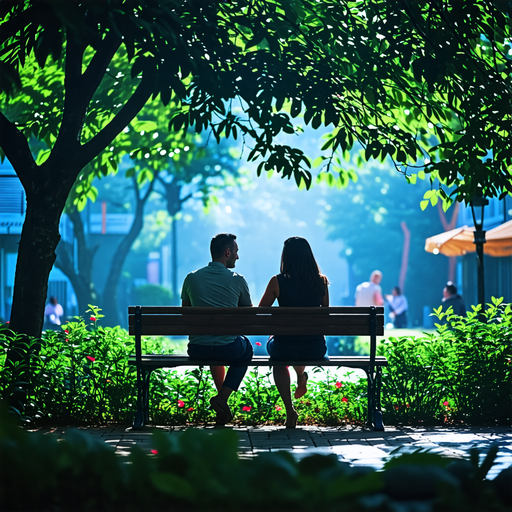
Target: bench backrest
pixel 170 321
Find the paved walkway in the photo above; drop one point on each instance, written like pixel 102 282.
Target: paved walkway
pixel 356 446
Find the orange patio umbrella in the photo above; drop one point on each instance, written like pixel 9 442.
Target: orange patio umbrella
pixel 459 241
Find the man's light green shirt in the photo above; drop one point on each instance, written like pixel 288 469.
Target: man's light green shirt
pixel 215 286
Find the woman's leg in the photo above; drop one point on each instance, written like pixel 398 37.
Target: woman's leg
pixel 282 380
pixel 302 379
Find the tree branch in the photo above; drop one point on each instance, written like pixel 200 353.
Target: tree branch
pixel 80 89
pixel 104 137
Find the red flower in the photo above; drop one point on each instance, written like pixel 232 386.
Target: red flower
pixel 92 359
pixel 66 331
pixel 190 409
pixel 278 408
pixel 93 319
pixel 446 403
pixel 338 385
pixel 344 399
pixel 258 344
pixel 67 339
pixel 181 403
pixel 154 452
pixel 246 408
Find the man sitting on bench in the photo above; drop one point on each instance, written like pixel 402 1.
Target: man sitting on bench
pixel 216 286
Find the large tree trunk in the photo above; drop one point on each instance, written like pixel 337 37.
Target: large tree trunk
pixel 36 253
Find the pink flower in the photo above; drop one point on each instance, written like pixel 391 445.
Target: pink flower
pixel 246 408
pixel 93 319
pixel 154 452
pixel 181 403
pixel 258 344
pixel 338 385
pixel 446 403
pixel 92 359
pixel 278 408
pixel 344 399
pixel 190 409
pixel 67 339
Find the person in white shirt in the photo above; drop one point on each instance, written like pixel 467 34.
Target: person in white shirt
pixel 53 311
pixel 369 293
pixel 399 306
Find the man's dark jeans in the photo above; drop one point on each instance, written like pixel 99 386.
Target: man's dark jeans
pixel 238 353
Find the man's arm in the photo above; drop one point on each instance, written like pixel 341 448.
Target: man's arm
pixel 244 300
pixel 185 297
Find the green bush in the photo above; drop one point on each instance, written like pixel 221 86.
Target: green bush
pixel 460 374
pixel 199 470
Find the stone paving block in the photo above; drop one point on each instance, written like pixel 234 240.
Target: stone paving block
pixel 351 452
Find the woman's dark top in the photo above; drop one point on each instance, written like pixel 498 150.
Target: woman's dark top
pixel 292 293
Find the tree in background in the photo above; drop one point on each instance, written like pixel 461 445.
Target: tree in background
pixel 374 217
pixel 426 84
pixel 164 164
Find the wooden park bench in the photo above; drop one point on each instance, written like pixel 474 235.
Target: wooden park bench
pixel 331 321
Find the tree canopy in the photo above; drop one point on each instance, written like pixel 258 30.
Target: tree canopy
pixel 426 84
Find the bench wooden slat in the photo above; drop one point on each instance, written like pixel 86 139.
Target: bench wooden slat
pixel 269 320
pixel 254 330
pixel 174 360
pixel 177 310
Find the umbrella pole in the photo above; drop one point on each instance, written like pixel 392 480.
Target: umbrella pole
pixel 479 243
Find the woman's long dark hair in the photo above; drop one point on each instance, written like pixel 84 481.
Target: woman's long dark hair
pixel 298 262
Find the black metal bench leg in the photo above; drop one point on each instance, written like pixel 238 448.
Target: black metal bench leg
pixel 374 419
pixel 378 423
pixel 142 412
pixel 371 394
pixel 147 377
pixel 138 421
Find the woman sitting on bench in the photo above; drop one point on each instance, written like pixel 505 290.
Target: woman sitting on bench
pixel 300 284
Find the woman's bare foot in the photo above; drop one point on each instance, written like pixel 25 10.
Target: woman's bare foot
pixel 302 387
pixel 291 419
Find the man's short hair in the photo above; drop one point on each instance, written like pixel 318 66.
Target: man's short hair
pixel 220 243
pixel 375 273
pixel 451 288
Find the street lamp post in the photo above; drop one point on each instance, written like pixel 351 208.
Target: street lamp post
pixel 478 203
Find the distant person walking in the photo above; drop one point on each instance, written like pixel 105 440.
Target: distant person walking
pixel 399 306
pixel 453 299
pixel 53 311
pixel 369 293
